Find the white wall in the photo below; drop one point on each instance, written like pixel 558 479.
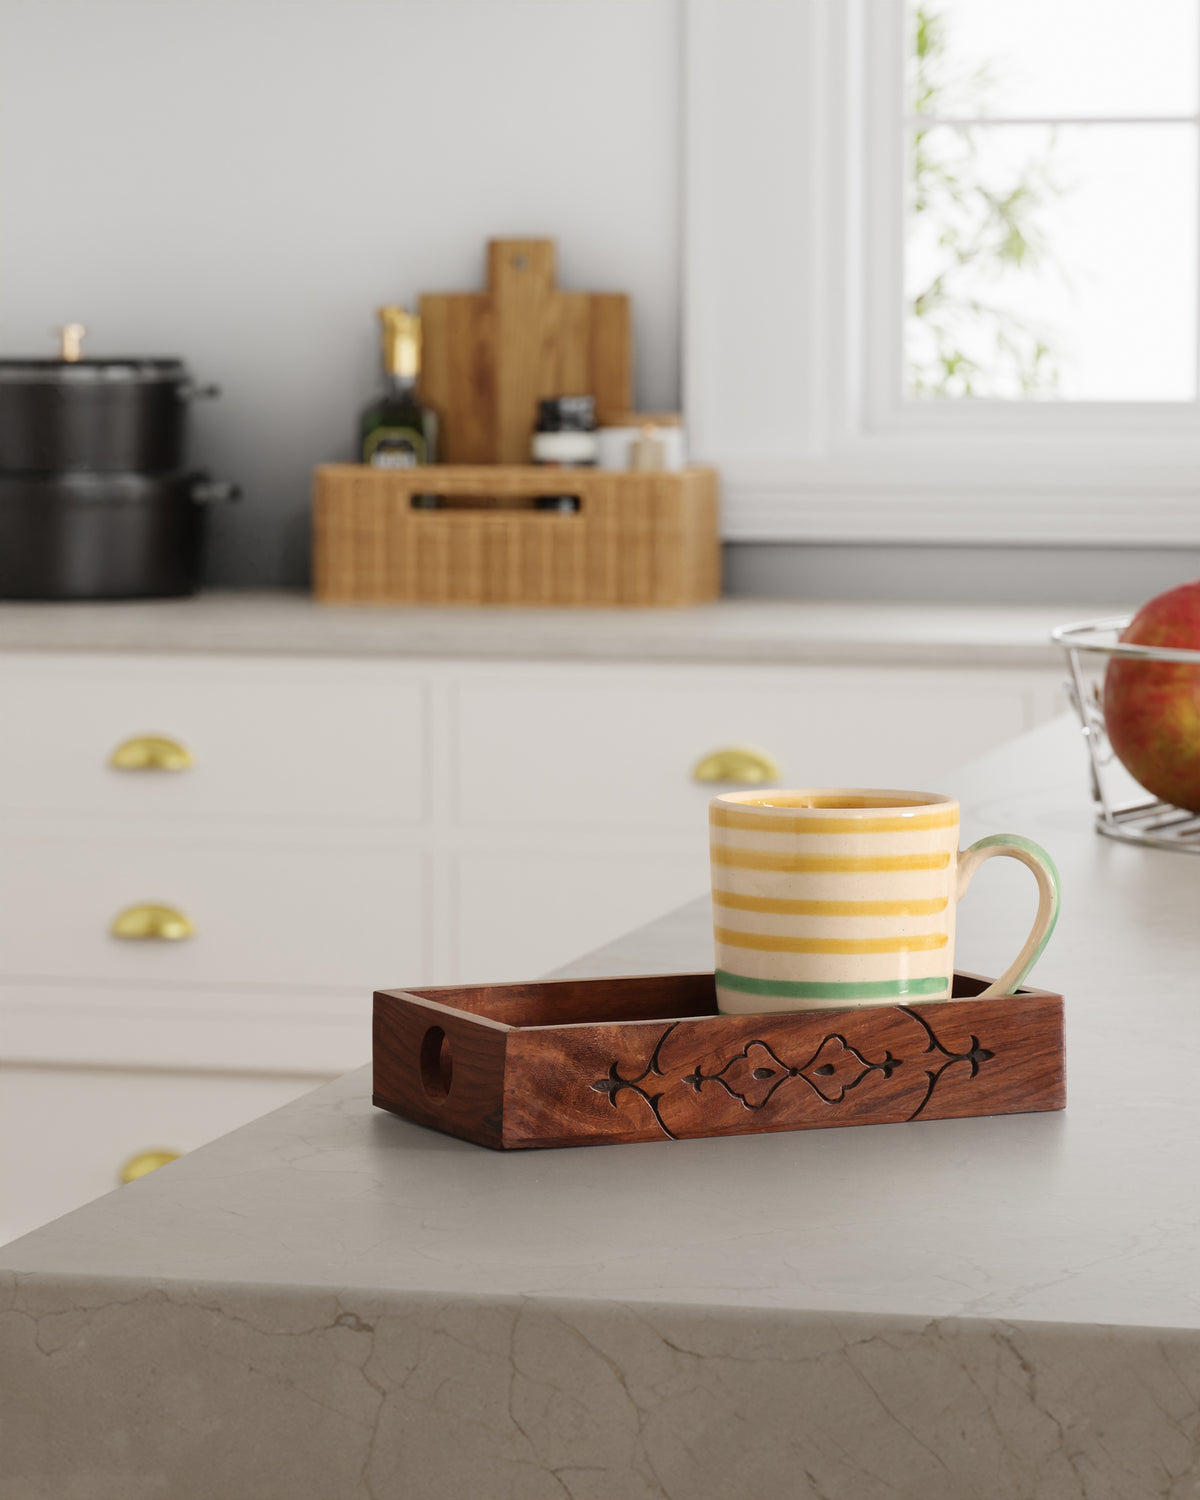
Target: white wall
pixel 242 182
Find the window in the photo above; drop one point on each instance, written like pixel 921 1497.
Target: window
pixel 942 267
pixel 1050 152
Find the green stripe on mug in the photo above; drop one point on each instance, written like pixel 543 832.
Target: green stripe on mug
pixel 869 989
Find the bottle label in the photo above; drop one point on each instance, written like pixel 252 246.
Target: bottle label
pixel 394 448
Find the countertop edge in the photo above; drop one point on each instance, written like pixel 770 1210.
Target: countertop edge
pixel 101 1287
pixel 731 631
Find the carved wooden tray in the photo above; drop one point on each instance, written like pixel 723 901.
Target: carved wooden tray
pixel 586 1062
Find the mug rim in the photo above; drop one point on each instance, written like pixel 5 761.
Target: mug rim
pixel 876 800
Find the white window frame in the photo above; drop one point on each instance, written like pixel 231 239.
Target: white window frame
pixel 792 293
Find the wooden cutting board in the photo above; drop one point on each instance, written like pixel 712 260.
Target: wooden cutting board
pixel 489 357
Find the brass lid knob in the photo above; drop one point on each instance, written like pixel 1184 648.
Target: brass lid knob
pixel 71 336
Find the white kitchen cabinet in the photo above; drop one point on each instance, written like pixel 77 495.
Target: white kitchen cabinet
pixel 519 914
pixel 557 747
pixel 65 1134
pixel 250 1028
pixel 354 824
pixel 307 916
pixel 273 741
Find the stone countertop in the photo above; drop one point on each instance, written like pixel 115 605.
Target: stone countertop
pixel 984 1308
pixel 732 630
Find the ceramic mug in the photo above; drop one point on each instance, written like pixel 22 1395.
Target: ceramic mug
pixel 845 896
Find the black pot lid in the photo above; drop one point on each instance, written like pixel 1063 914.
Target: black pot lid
pixel 83 487
pixel 119 370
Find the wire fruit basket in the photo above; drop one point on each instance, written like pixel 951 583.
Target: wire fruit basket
pixel 1136 819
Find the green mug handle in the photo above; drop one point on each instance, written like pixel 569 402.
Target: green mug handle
pixel 1049 895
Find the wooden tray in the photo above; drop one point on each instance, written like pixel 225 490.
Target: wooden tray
pixel 587 1062
pixel 637 539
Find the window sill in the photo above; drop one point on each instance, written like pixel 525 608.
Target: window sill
pixel 765 501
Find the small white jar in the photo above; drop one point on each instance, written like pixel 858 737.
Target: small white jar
pixel 567 447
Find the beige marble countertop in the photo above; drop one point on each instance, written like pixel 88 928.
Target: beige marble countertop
pixel 731 630
pixel 331 1301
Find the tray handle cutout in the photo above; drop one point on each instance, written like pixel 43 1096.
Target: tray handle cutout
pixel 436 1065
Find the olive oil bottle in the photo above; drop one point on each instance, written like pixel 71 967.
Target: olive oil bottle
pixel 396 431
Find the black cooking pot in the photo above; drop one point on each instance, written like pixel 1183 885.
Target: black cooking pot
pixel 105 415
pixel 104 536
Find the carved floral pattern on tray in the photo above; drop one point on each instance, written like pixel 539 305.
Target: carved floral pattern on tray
pixel 767 1076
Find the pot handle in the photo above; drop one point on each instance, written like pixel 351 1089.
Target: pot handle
pixel 192 390
pixel 216 492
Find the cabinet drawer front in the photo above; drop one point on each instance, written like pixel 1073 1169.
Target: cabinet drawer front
pixel 65 1135
pixel 616 748
pixel 61 1022
pixel 520 915
pixel 312 740
pixel 340 918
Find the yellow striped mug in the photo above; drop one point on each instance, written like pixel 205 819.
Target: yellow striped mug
pixel 846 896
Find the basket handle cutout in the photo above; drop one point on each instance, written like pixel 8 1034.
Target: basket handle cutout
pixel 562 502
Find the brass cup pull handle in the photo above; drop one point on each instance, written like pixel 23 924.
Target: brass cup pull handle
pixel 146 1161
pixel 151 752
pixel 149 922
pixel 737 765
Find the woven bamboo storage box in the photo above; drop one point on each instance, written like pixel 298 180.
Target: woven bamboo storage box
pixel 636 539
